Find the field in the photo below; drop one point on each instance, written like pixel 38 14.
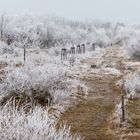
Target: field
pixel 68 80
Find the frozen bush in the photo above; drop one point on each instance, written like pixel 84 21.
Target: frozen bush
pixel 133 49
pixel 33 81
pixel 36 124
pixel 4 48
pixel 18 52
pixel 132 85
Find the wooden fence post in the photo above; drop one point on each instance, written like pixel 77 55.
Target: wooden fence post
pixel 123 108
pixel 123 102
pixel 24 54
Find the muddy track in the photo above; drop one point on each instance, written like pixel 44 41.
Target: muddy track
pixel 90 118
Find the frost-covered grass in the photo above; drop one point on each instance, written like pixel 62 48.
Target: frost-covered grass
pixel 42 74
pixel 36 124
pixel 25 80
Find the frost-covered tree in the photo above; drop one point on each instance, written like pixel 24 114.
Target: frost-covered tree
pixel 47 32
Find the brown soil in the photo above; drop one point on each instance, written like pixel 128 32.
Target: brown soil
pixel 91 118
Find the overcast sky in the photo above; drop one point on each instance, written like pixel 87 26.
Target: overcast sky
pixel 126 11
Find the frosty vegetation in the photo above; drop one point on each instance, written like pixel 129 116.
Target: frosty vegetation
pixel 42 37
pixel 43 77
pixel 38 124
pixel 132 85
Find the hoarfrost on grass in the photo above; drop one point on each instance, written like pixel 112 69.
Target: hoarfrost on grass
pixel 37 124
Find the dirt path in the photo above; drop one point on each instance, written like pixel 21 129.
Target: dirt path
pixel 91 117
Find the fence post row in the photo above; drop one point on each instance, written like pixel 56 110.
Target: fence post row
pixel 79 49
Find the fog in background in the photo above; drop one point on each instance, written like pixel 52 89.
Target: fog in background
pixel 108 10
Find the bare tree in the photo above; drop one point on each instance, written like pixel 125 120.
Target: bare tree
pixel 3 24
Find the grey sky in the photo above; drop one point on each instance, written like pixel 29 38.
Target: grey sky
pixel 109 10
